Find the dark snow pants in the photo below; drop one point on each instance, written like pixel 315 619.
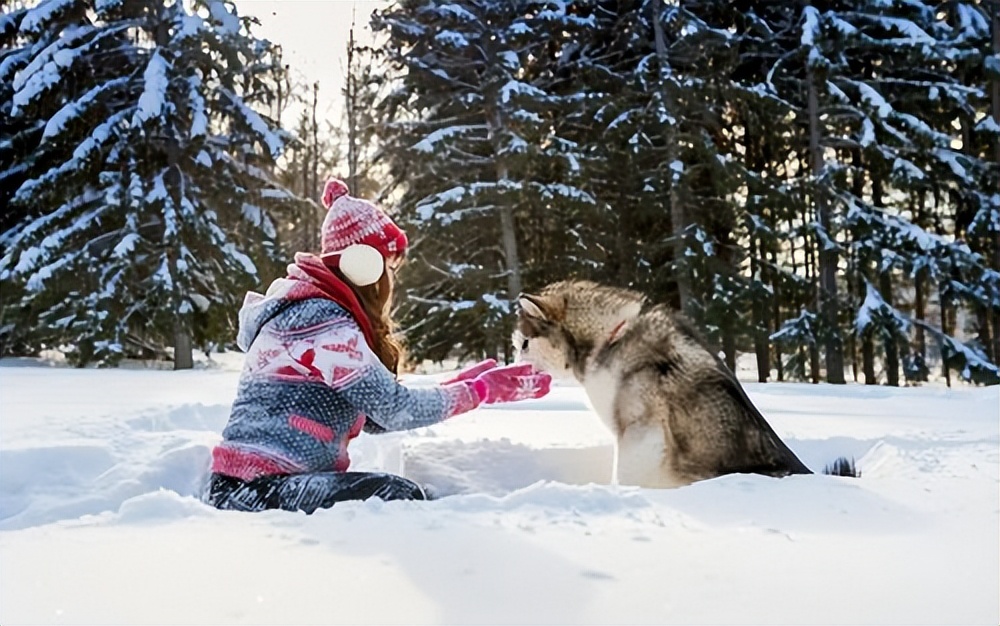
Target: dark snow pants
pixel 307 492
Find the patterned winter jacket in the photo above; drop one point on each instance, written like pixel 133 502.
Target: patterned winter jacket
pixel 309 382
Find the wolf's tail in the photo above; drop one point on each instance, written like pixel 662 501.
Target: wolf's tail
pixel 843 467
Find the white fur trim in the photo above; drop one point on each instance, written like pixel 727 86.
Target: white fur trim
pixel 362 265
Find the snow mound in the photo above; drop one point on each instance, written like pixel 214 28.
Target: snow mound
pixel 101 521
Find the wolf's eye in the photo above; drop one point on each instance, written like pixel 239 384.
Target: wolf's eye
pixel 524 344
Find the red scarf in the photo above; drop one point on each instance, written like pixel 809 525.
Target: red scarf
pixel 332 288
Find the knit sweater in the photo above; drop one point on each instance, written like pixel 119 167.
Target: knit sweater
pixel 311 383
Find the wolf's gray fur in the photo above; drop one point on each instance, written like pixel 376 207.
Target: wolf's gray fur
pixel 677 412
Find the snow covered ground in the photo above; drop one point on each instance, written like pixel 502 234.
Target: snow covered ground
pixel 99 522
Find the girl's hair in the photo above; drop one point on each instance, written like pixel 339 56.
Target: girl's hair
pixel 376 300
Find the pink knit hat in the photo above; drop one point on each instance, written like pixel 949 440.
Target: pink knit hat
pixel 351 221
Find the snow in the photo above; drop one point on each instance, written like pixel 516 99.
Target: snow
pixel 991 63
pixel 972 23
pixel 509 59
pixel 44 57
pixel 497 303
pixel 36 19
pixel 907 168
pixel 426 210
pixel 516 87
pixel 159 191
pixel 188 26
pixel 154 91
pixel 42 73
pixel 200 302
pixel 810 27
pixel 921 127
pixel 455 11
pixel 565 191
pixel 867 133
pixel 126 245
pixel 515 145
pixel 451 38
pixel 229 24
pixel 258 217
pixel 430 143
pixel 988 125
pixel 36 282
pixel 520 28
pixel 57 123
pixel 574 164
pixel 199 121
pixel 622 117
pixel 32 256
pixel 100 523
pixel 271 139
pixel 875 99
pixel 911 31
pixel 7 19
pixel 874 306
pixel 102 6
pixel 837 93
pixel 951 159
pixel 241 259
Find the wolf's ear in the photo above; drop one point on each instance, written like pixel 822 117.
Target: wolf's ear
pixel 548 308
pixel 532 306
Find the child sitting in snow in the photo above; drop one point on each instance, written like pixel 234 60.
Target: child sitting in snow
pixel 321 367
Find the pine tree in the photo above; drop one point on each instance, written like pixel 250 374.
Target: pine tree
pixel 902 95
pixel 150 222
pixel 656 74
pixel 473 145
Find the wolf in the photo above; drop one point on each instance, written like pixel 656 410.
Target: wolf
pixel 677 413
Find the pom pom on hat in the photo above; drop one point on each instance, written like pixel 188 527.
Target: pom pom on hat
pixel 334 189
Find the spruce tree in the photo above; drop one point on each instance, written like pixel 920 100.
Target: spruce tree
pixel 473 147
pixel 154 203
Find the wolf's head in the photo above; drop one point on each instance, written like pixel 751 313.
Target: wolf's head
pixel 560 327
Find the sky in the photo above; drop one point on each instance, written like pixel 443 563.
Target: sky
pixel 313 35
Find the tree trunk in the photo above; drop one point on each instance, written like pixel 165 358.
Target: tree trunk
pixel 507 230
pixel 891 345
pixel 828 304
pixel 810 263
pixel 760 325
pixel 920 290
pixel 776 315
pixel 313 191
pixel 183 354
pixel 678 217
pixel 946 328
pixel 352 120
pixel 852 340
pixel 855 278
pixel 868 358
pixel 729 347
pixel 623 266
pixel 885 289
pixel 867 342
pixel 758 321
pixel 995 92
pixel 920 312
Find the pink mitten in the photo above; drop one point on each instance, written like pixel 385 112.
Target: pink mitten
pixel 472 371
pixel 511 383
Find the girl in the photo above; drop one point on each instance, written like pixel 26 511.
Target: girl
pixel 321 365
